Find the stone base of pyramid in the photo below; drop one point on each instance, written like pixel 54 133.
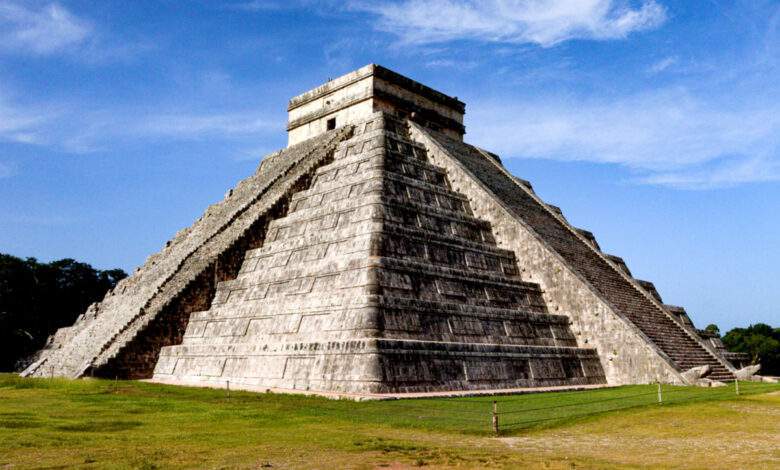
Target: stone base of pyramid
pixel 379 366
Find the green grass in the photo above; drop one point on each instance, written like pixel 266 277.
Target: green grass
pixel 96 423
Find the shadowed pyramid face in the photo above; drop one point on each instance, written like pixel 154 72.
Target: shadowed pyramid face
pixel 379 279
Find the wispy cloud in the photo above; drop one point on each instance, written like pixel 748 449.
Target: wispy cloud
pixel 74 131
pixel 452 63
pixel 186 126
pixel 100 130
pixel 20 124
pixel 543 22
pixel 262 6
pixel 666 137
pixel 257 5
pixel 211 110
pixel 663 64
pixel 40 30
pixel 719 173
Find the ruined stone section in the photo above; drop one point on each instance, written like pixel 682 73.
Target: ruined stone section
pixel 378 280
pixel 637 339
pixel 132 306
pixel 620 263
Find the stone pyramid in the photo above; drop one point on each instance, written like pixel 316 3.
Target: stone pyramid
pixel 379 253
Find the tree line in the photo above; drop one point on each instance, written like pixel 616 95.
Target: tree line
pixel 38 298
pixel 760 341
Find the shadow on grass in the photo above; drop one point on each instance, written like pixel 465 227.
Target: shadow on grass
pixel 99 426
pixel 19 424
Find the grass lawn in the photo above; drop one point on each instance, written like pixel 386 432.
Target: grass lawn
pixel 96 423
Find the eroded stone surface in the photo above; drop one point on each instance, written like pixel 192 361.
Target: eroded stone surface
pixel 108 327
pixel 380 279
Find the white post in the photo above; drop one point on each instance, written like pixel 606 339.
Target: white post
pixel 736 386
pixel 660 396
pixel 495 417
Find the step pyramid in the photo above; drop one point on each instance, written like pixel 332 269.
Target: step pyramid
pixel 379 279
pixel 380 253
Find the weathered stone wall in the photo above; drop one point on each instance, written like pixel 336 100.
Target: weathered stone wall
pixel 107 327
pixel 626 355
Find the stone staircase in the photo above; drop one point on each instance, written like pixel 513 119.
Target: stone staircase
pixel 113 326
pixel 581 253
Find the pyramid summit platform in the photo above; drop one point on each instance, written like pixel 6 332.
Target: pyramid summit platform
pixel 381 254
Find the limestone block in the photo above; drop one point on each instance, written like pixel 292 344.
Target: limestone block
pixel 747 372
pixel 693 374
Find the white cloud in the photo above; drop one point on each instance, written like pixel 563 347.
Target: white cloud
pixel 662 64
pixel 41 31
pixel 185 126
pixel 666 137
pixel 73 130
pixel 101 130
pixel 450 63
pixel 257 5
pixel 20 124
pixel 720 173
pixel 543 22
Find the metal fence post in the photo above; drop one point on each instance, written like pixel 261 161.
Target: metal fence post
pixel 495 417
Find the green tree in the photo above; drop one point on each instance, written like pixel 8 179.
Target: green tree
pixel 713 328
pixel 37 298
pixel 761 342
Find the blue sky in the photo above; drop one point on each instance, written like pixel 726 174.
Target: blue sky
pixel 653 123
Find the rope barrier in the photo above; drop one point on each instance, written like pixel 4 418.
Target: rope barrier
pixel 517 424
pixel 719 394
pixel 575 404
pixel 565 393
pixel 463 420
pixel 474 419
pixel 414 407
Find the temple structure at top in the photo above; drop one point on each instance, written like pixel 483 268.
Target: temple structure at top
pixel 355 96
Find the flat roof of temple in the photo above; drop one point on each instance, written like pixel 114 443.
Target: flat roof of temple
pixel 386 75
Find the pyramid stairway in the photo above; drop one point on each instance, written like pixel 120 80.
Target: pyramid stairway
pixel 121 335
pixel 379 279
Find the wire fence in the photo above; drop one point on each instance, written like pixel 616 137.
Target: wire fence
pixel 510 413
pixel 509 418
pixel 479 414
